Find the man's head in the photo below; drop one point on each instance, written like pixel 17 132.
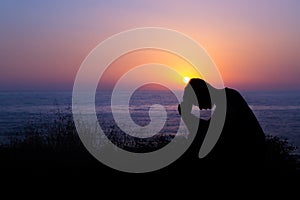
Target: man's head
pixel 197 93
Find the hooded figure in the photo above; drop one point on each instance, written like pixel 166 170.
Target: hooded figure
pixel 241 145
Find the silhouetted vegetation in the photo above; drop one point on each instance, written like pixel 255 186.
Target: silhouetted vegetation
pixel 55 146
pixel 280 156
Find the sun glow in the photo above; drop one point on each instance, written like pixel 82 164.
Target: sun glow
pixel 186 79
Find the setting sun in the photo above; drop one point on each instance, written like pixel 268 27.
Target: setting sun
pixel 186 79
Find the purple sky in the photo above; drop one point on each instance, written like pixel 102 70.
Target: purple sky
pixel 255 44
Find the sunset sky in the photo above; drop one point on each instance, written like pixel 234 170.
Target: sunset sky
pixel 255 44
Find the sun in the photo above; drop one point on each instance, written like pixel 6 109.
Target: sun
pixel 186 79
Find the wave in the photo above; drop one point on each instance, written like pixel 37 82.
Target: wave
pixel 274 107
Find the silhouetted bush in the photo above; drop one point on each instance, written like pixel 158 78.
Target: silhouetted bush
pixel 280 156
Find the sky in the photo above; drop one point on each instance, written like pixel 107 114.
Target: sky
pixel 255 44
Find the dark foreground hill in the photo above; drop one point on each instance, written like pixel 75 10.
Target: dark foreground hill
pixel 54 153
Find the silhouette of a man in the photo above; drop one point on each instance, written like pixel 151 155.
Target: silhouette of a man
pixel 242 141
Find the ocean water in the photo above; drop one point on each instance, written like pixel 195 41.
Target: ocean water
pixel 277 111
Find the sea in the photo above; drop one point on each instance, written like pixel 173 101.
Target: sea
pixel 278 112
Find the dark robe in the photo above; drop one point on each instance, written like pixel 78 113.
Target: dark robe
pixel 240 147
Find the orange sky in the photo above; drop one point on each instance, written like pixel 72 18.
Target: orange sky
pixel 255 44
pixel 150 56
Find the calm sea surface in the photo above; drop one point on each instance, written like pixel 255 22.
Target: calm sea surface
pixel 277 112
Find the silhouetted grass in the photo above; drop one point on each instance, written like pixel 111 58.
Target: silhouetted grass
pixel 55 147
